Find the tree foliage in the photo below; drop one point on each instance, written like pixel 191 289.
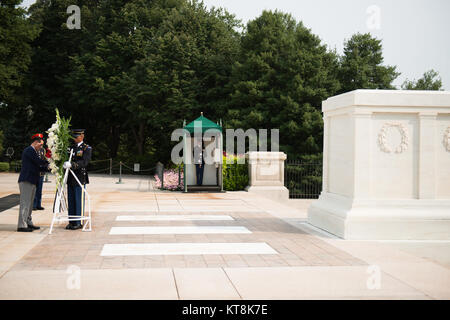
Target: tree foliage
pixel 361 66
pixel 16 34
pixel 2 138
pixel 429 81
pixel 136 69
pixel 140 67
pixel 279 81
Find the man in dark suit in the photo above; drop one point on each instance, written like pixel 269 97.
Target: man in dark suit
pixel 82 154
pixel 29 176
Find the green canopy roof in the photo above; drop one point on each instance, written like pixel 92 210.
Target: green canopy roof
pixel 203 123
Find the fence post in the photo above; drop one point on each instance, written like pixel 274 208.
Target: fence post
pixel 110 166
pixel 179 176
pixel 120 173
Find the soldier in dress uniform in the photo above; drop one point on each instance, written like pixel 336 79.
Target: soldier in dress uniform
pixel 199 161
pixel 81 156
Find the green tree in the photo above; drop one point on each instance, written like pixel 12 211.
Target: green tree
pixel 430 81
pixel 146 65
pixel 16 34
pixel 361 65
pixel 282 76
pixel 2 137
pixel 51 63
pixel 42 89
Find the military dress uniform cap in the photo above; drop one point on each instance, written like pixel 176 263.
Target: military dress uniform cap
pixel 37 135
pixel 77 132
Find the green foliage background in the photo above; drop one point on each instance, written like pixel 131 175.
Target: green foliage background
pixel 235 176
pixel 430 81
pixel 4 166
pixel 16 34
pixel 136 69
pixel 2 137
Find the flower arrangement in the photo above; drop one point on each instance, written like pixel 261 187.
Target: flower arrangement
pixel 171 181
pixel 58 142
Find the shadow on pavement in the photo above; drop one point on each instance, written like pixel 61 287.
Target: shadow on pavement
pixel 9 201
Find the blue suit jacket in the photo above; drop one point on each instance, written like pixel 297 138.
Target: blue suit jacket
pixel 31 166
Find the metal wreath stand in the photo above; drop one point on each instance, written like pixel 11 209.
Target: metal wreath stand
pixel 60 206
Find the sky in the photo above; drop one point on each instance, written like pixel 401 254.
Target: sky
pixel 414 33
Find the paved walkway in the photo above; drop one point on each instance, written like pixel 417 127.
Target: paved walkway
pixel 170 245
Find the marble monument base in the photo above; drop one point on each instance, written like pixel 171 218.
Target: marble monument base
pixel 381 219
pixel 277 193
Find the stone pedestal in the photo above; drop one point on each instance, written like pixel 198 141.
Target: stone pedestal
pixel 386 168
pixel 266 175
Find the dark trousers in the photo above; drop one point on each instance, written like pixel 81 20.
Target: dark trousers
pixel 199 173
pixel 38 196
pixel 75 204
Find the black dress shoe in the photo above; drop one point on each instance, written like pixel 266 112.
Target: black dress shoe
pixel 78 226
pixel 34 209
pixel 24 230
pixel 69 227
pixel 33 227
pixel 40 208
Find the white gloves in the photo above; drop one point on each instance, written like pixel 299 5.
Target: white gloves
pixel 67 165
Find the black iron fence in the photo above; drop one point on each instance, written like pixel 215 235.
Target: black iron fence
pixel 303 179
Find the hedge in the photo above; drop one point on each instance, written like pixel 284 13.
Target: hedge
pixel 4 166
pixel 235 176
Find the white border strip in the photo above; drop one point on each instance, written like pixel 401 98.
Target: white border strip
pixel 178 230
pixel 181 217
pixel 180 210
pixel 144 249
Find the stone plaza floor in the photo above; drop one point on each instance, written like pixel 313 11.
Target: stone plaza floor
pixel 151 244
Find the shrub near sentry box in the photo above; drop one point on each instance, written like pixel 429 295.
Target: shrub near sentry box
pixel 4 166
pixel 235 175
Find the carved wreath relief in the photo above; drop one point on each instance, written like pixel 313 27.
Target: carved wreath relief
pixel 403 133
pixel 447 139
